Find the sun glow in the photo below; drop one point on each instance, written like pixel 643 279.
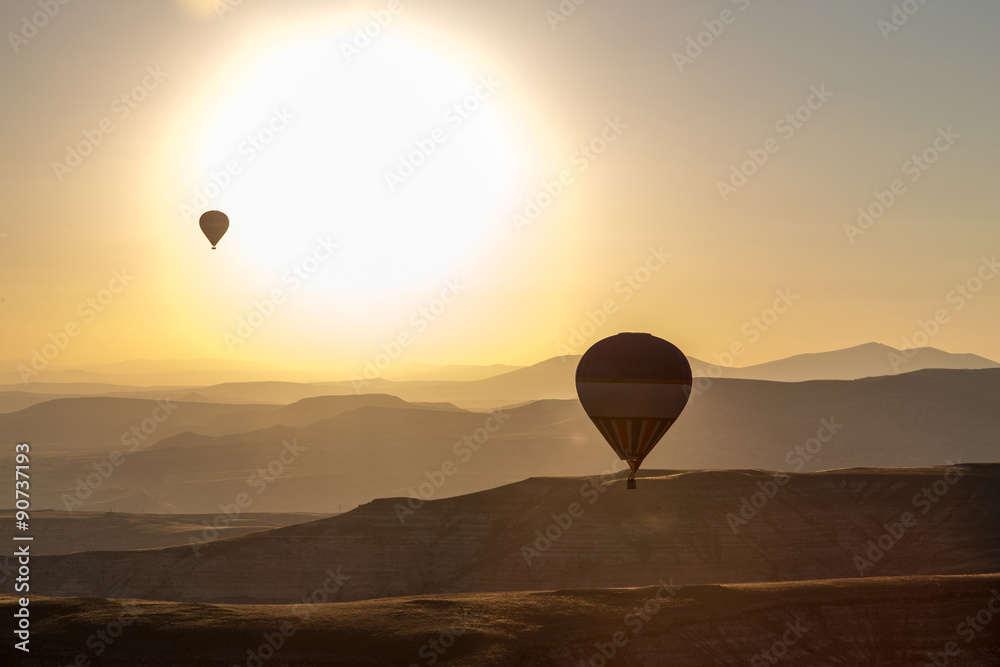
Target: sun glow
pixel 401 157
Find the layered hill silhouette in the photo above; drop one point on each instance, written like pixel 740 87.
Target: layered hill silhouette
pixel 869 360
pixel 555 378
pixel 846 622
pixel 388 447
pixel 103 420
pixel 304 412
pixel 485 387
pixel 861 565
pixel 343 460
pixel 696 527
pixel 87 421
pixel 68 532
pixel 200 372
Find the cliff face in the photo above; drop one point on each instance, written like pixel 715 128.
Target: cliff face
pixel 550 533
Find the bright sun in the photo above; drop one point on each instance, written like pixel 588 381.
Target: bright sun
pixel 400 156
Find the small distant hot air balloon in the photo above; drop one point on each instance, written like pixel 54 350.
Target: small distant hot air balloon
pixel 214 225
pixel 633 386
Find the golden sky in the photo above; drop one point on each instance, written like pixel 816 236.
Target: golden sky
pixel 497 182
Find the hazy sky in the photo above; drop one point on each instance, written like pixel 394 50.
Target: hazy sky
pixel 382 188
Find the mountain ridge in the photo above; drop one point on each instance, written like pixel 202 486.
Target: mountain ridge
pixel 701 527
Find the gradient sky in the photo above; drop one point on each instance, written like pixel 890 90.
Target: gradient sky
pixel 336 121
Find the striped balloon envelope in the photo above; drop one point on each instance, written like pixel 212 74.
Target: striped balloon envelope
pixel 634 387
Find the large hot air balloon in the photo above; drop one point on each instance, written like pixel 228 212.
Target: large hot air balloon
pixel 214 225
pixel 633 386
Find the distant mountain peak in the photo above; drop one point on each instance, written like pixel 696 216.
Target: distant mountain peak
pixel 852 363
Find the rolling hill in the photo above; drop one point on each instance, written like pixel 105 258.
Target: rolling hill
pixel 842 623
pixel 869 360
pixel 702 527
pixel 488 387
pixel 390 448
pixel 94 420
pixel 67 532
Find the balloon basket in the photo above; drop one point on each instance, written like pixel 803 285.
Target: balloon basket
pixel 631 482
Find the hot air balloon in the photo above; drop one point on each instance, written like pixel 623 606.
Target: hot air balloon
pixel 633 386
pixel 214 225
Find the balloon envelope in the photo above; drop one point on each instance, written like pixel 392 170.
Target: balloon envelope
pixel 633 386
pixel 214 225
